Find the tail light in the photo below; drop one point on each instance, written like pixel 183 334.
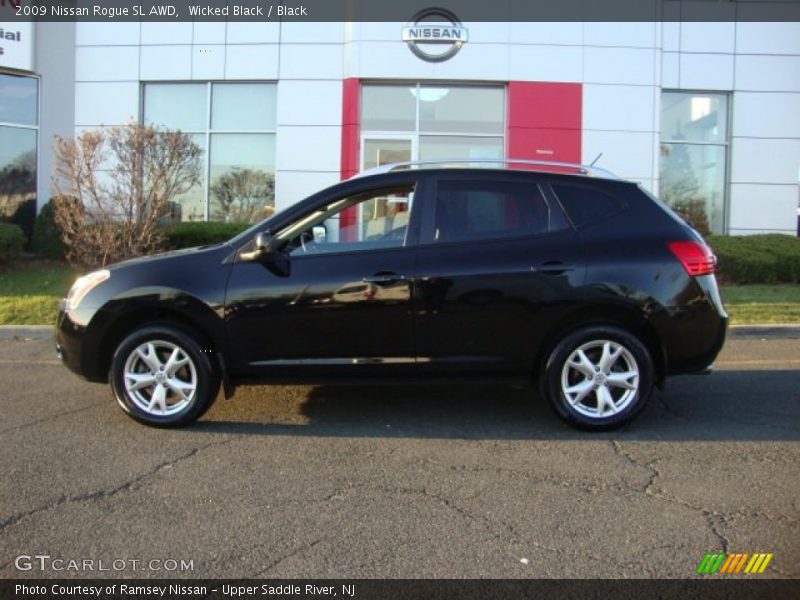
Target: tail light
pixel 695 257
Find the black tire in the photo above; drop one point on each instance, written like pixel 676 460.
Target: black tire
pixel 179 406
pixel 596 409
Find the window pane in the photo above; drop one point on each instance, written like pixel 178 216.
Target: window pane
pixel 176 106
pixel 388 108
pixel 444 147
pixel 191 206
pixel 18 175
pixel 243 107
pixel 694 117
pixel 461 109
pixel 242 188
pixel 693 183
pixel 374 220
pixel 586 205
pixel 473 210
pixel 383 152
pixel 18 99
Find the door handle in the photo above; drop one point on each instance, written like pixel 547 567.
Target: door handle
pixel 554 267
pixel 384 278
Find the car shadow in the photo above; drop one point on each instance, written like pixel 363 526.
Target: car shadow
pixel 729 405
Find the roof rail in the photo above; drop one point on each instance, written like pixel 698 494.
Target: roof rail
pixel 587 170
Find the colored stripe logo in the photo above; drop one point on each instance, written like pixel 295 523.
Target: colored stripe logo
pixel 734 563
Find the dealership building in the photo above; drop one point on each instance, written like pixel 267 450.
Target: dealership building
pixel 705 114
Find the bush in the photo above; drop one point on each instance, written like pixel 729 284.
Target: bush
pixel 188 235
pixel 12 240
pixel 46 234
pixel 768 258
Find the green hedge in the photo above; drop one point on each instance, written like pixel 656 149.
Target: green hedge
pixel 188 235
pixel 12 240
pixel 46 236
pixel 768 258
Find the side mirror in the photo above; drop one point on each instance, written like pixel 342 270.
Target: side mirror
pixel 263 246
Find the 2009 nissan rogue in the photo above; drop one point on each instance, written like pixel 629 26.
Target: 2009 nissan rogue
pixel 585 285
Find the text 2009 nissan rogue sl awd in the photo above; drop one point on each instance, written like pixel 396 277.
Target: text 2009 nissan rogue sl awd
pixel 559 275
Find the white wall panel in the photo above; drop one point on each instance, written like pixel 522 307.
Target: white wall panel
pixel 293 32
pixel 208 61
pixel 209 32
pixel 546 63
pixel 111 103
pixel 670 70
pixel 633 35
pixel 619 65
pixel 766 115
pixel 768 73
pixel 475 61
pixel 293 186
pixel 625 153
pixel 618 107
pixel 707 37
pixel 313 148
pixel 670 36
pixel 763 208
pixel 251 61
pixel 768 38
pixel 706 71
pixel 106 33
pixel 310 61
pixel 253 32
pixel 167 33
pixel 546 33
pixel 386 60
pixel 107 63
pixel 309 103
pixel 166 62
pixel 771 161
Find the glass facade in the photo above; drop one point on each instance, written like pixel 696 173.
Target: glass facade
pixel 234 125
pixel 694 150
pixel 19 120
pixel 431 122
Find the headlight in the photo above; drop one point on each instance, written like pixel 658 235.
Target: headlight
pixel 84 285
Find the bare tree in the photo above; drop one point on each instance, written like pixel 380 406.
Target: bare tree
pixel 243 195
pixel 114 185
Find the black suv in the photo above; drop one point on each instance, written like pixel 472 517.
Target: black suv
pixel 586 285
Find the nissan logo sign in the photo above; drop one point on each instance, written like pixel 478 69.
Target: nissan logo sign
pixel 435 34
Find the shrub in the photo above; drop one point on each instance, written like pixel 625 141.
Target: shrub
pixel 188 235
pixel 12 240
pixel 46 234
pixel 123 180
pixel 768 258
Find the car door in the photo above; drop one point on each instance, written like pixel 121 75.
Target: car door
pixel 335 299
pixel 497 262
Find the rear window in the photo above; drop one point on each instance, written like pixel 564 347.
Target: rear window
pixel 586 205
pixel 475 210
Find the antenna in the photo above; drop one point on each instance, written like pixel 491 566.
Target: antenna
pixel 591 164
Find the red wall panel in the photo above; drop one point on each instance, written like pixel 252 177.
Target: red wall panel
pixel 544 121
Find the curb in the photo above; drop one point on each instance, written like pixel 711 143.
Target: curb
pixel 26 332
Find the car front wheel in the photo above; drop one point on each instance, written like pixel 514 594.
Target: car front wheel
pixel 598 377
pixel 161 377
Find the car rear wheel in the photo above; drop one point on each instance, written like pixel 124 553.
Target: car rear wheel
pixel 598 377
pixel 160 376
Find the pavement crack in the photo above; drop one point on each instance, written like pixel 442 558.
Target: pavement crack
pixel 52 417
pixel 129 485
pixel 285 557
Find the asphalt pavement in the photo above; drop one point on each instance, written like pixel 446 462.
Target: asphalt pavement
pixel 406 481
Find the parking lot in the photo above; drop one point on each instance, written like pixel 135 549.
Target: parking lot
pixel 406 481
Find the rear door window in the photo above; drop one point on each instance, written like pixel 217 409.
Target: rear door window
pixel 586 205
pixel 467 210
